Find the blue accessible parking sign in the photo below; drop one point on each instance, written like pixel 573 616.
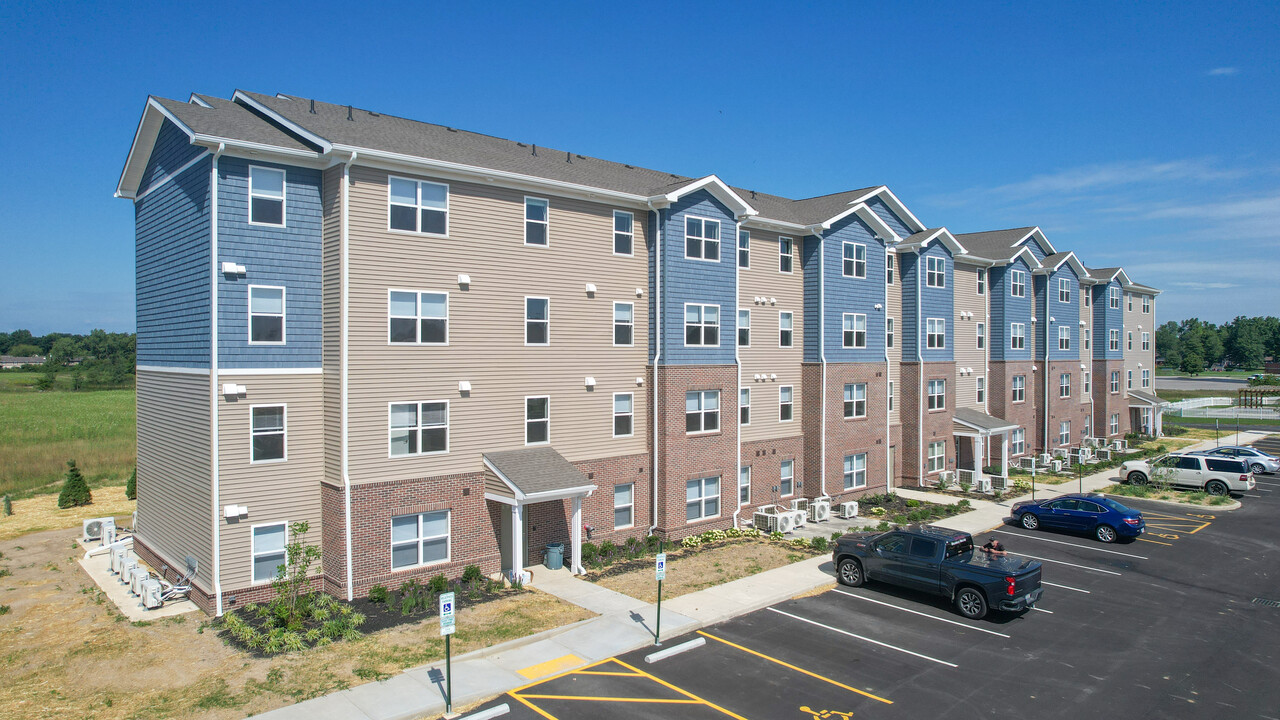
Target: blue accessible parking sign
pixel 446 614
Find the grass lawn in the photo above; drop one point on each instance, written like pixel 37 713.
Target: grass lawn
pixel 701 568
pixel 40 431
pixel 1146 492
pixel 1226 425
pixel 1172 372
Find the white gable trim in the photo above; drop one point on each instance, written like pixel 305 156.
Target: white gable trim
pixel 144 139
pixel 1071 259
pixel 1038 235
pixel 941 234
pixel 714 185
pixel 296 129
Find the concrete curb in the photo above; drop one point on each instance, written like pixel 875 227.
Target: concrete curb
pixel 1235 504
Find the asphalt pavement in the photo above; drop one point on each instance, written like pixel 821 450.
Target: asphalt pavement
pixel 1225 384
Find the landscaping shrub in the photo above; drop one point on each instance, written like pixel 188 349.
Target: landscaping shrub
pixel 654 542
pixel 913 503
pixel 836 536
pixel 75 490
pixel 131 486
pixel 819 544
pixel 438 584
pixel 590 553
pixel 378 594
pixel 471 573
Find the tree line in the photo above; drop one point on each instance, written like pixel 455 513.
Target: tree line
pixel 1193 345
pixel 99 359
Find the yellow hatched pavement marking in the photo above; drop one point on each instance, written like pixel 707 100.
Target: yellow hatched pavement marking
pixel 605 698
pixel 614 674
pixel 797 669
pixel 686 693
pixel 1156 542
pixel 533 707
pixel 551 667
pixel 559 675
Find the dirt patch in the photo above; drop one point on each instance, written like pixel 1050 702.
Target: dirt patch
pixel 68 653
pixel 41 512
pixel 690 570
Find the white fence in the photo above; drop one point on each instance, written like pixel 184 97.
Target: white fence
pixel 1232 413
pixel 1189 403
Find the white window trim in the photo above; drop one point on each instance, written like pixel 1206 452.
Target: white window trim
pixel 865 400
pixel 631 506
pixel 284 196
pixel 980 390
pixel 980 340
pixel 747 486
pixel 1017 284
pixel 890 267
pixel 418 318
pixel 1017 441
pixel 702 498
pixel 613 238
pixel 1114 386
pixel 613 324
pixel 613 424
pixel 284 407
pixel 738 250
pixel 1064 336
pixel 527 398
pixel 1018 331
pixel 942 344
pixel 1113 426
pixel 1064 288
pixel 930 394
pixel 890 336
pixel 891 389
pixel 719 326
pixel 942 457
pixel 930 272
pixel 981 281
pixel 448 213
pixel 1146 304
pixel 737 331
pixel 1013 390
pixel 703 241
pixel 448 429
pixel 1086 382
pixel 284 315
pixel 524 321
pixel 791 255
pixel 1146 341
pixel 702 412
pixel 1064 432
pixel 792 329
pixel 253 550
pixel 855 485
pixel 1113 298
pixel 792 403
pixel 782 464
pixel 854 260
pixel 545 223
pixel 855 345
pixel 1113 341
pixel 1064 385
pixel 448 536
pixel 742 405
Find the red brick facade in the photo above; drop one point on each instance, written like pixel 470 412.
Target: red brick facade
pixel 765 458
pixel 921 426
pixel 856 435
pixel 1060 409
pixel 1000 400
pixel 1106 404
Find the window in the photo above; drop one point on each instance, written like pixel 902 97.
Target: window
pixel 1087 382
pixel 266 196
pixel 1146 341
pixel 268 551
pixel 1086 297
pixel 267 433
pixel 419 428
pixel 1130 339
pixel 855 400
pixel 415 318
pixel 888 332
pixel 418 206
pixel 786 480
pixel 855 330
pixel 785 404
pixel 1064 432
pixel 702 498
pixel 784 329
pixel 937 394
pixel 421 539
pixel 786 248
pixel 890 396
pixel 744 249
pixel 1128 383
pixel 1113 298
pixel 623 233
pixel 1064 385
pixel 1017 336
pixel 982 336
pixel 1129 298
pixel 624 502
pixel 935 333
pixel 1087 430
pixel 702 411
pixel 1064 337
pixel 922 548
pixel 855 471
pixel 1146 304
pixel 936 273
pixel 1114 426
pixel 1017 283
pixel 1019 386
pixel 855 260
pixel 744 486
pixel 537 420
pixel 744 406
pixel 1018 441
pixel 266 315
pixel 1146 378
pixel 744 328
pixel 701 325
pixel 937 455
pixel 537 321
pixel 982 391
pixel 624 324
pixel 702 239
pixel 536 225
pixel 1115 382
pixel 890 263
pixel 1064 290
pixel 982 281
pixel 623 414
pixel 1088 338
pixel 1113 340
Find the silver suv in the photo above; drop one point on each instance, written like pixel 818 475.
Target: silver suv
pixel 1214 475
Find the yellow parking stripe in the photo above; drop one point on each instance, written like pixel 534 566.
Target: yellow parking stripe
pixel 615 674
pixel 601 698
pixel 551 667
pixel 560 675
pixel 1155 541
pixel 797 669
pixel 534 708
pixel 686 693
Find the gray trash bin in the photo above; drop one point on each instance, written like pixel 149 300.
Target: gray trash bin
pixel 555 556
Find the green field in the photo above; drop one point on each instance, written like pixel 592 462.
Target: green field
pixel 40 431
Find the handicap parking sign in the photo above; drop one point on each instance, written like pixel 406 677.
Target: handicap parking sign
pixel 661 568
pixel 446 614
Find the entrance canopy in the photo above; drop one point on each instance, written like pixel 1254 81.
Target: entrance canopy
pixel 975 422
pixel 977 426
pixel 532 475
pixel 1138 398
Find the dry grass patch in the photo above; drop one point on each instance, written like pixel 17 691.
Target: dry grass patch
pixel 699 569
pixel 41 512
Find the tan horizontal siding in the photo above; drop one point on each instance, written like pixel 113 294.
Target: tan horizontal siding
pixel 967 354
pixel 331 325
pixel 764 356
pixel 893 309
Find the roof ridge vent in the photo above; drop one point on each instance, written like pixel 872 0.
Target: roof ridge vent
pixel 349 113
pixel 313 106
pixel 567 157
pixel 535 149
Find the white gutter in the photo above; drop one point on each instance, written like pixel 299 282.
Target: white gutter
pixel 888 375
pixel 656 329
pixel 346 300
pixel 822 355
pixel 213 378
pixel 737 361
pixel 919 377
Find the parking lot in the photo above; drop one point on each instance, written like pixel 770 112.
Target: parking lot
pixel 1173 625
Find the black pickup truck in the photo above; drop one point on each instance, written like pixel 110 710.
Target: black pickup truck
pixel 940 562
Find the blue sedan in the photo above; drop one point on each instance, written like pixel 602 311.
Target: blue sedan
pixel 1095 515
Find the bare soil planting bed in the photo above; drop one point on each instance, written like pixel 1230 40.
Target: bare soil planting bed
pixel 693 569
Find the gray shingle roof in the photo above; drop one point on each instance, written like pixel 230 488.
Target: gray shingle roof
pixel 537 470
pixel 1147 397
pixel 981 420
pixel 994 244
pixel 230 120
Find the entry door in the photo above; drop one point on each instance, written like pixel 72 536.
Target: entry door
pixel 504 540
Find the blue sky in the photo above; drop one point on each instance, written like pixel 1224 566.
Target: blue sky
pixel 1140 134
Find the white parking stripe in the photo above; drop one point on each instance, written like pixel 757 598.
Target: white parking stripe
pixel 1082 567
pixel 916 612
pixel 1260 482
pixel 1086 547
pixel 1248 495
pixel 1064 587
pixel 1042 610
pixel 873 642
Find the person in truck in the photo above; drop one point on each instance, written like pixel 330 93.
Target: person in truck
pixel 993 546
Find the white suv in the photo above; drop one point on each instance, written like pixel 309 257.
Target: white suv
pixel 1216 476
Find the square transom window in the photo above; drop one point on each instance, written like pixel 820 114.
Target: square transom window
pixel 419 428
pixel 418 317
pixel 421 539
pixel 701 411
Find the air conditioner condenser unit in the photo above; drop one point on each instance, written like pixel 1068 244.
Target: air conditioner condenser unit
pixel 800 504
pixel 786 522
pixel 96 529
pixel 766 522
pixel 800 518
pixel 820 510
pixel 136 577
pixel 849 510
pixel 1056 465
pixel 126 568
pixel 152 594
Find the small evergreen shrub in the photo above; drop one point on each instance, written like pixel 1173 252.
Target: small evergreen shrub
pixel 819 544
pixel 471 573
pixel 75 490
pixel 378 594
pixel 131 487
pixel 438 584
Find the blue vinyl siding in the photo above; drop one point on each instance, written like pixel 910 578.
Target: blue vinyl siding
pixel 656 220
pixel 1034 246
pixel 1104 320
pixel 686 280
pixel 172 150
pixel 810 248
pixel 1006 310
pixel 853 295
pixel 173 271
pixel 286 256
pixel 1054 314
pixel 933 303
pixel 894 222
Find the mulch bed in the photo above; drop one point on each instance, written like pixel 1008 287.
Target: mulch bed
pixel 383 615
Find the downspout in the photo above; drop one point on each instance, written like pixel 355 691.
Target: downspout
pixel 919 378
pixel 1045 373
pixel 888 378
pixel 213 379
pixel 822 354
pixel 737 361
pixel 346 299
pixel 656 328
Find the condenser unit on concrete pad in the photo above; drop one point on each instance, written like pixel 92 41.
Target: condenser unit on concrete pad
pixel 1027 463
pixel 983 485
pixel 96 528
pixel 799 518
pixel 1056 465
pixel 152 593
pixel 820 510
pixel 786 522
pixel 801 504
pixel 136 578
pixel 126 568
pixel 118 556
pixel 849 510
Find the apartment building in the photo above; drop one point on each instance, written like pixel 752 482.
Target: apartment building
pixel 441 348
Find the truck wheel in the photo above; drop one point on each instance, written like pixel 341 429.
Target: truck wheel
pixel 850 573
pixel 1029 521
pixel 971 604
pixel 1105 533
pixel 1137 478
pixel 1216 487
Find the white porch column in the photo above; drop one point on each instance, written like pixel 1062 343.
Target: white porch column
pixel 1159 413
pixel 517 541
pixel 575 537
pixel 978 454
pixel 1004 453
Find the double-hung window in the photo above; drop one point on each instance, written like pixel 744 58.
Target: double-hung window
pixel 786 403
pixel 623 232
pixel 1129 299
pixel 936 272
pixel 1128 380
pixel 982 391
pixel 268 551
pixel 418 206
pixel 982 336
pixel 1086 382
pixel 1064 432
pixel 744 406
pixel 536 222
pixel 937 455
pixel 418 318
pixel 1146 304
pixel 855 330
pixel 1115 382
pixel 855 260
pixel 786 478
pixel 1019 387
pixel 888 332
pixel 890 396
pixel 1114 425
pixel 982 281
pixel 1017 283
pixel 1088 337
pixel 701 239
pixel 1113 298
pixel 855 471
pixel 1146 341
pixel 701 411
pixel 537 420
pixel 744 328
pixel 702 498
pixel 744 486
pixel 623 414
pixel 786 328
pixel 890 264
pixel 420 539
pixel 624 505
pixel 744 249
pixel 1017 336
pixel 1113 340
pixel 268 433
pixel 266 196
pixel 1064 385
pixel 786 250
pixel 1064 290
pixel 537 321
pixel 937 394
pixel 1017 442
pixel 419 428
pixel 1130 340
pixel 624 324
pixel 935 333
pixel 1064 337
pixel 266 315
pixel 855 400
pixel 1146 378
pixel 701 325
pixel 1086 297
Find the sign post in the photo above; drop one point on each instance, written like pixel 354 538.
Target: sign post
pixel 446 629
pixel 660 571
